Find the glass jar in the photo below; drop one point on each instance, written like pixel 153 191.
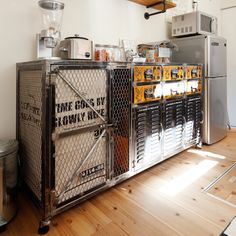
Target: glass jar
pixel 150 52
pixel 109 53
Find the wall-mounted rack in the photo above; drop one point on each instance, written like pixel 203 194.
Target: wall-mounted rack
pixel 161 5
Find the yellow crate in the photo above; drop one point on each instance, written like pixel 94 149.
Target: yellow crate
pixel 147 93
pixel 173 72
pixel 172 90
pixel 193 72
pixel 147 73
pixel 194 87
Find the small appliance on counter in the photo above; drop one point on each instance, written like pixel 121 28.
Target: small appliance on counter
pixel 156 52
pixel 76 47
pixel 192 23
pixel 48 39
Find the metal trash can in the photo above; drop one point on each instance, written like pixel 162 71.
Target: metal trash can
pixel 8 180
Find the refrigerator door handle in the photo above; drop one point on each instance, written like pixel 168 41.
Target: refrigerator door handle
pixel 215 77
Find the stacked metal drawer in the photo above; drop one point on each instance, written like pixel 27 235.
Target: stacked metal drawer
pixel 166 111
pixel 193 104
pixel 173 109
pixel 146 118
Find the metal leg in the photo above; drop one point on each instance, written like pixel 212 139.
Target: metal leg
pixel 199 145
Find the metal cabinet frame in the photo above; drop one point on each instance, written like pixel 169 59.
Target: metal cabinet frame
pixel 119 126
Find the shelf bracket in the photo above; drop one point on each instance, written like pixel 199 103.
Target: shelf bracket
pixel 147 15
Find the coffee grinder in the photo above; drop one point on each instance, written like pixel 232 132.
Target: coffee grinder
pixel 48 39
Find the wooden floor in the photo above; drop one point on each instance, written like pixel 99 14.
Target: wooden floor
pixel 166 200
pixel 225 187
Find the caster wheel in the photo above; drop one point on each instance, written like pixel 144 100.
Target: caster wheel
pixel 3 228
pixel 198 146
pixel 43 229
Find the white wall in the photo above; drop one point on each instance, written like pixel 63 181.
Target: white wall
pixel 228 20
pixel 103 21
pixel 227 3
pixel 212 7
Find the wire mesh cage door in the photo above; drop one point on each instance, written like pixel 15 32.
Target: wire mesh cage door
pixel 80 135
pixel 120 117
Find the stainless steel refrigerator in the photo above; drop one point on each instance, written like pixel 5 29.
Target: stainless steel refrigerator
pixel 211 51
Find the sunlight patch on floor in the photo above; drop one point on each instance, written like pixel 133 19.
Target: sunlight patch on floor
pixel 183 181
pixel 206 154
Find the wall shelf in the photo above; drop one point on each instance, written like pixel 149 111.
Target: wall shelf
pixel 161 5
pixel 152 2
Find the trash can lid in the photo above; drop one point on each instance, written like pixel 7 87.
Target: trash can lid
pixel 7 147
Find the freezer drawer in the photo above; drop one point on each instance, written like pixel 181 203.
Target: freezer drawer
pixel 215 122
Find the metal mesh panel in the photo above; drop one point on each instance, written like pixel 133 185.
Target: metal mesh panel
pixel 147 135
pixel 29 125
pixel 173 126
pixel 193 119
pixel 81 159
pixel 70 154
pixel 71 112
pixel 120 108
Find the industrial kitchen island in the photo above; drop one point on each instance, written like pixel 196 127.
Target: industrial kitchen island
pixel 85 126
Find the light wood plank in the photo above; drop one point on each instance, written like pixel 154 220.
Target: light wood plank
pixel 130 217
pixel 192 199
pixel 183 220
pixel 225 188
pixel 150 2
pixel 138 207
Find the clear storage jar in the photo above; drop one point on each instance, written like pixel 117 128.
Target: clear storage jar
pixel 109 53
